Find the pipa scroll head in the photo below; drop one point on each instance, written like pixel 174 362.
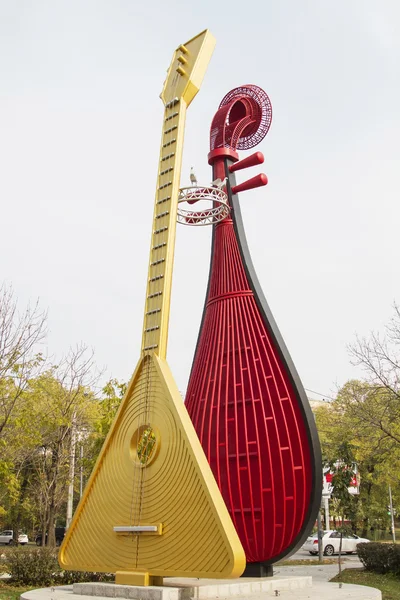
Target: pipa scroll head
pixel 242 120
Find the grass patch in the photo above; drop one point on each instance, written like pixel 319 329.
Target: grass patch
pixel 306 562
pixel 388 584
pixel 8 591
pixel 7 547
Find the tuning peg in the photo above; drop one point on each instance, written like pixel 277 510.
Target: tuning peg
pixel 250 161
pixel 254 182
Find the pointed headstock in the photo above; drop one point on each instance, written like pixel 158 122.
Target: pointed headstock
pixel 188 67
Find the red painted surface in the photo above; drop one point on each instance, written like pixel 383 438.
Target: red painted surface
pixel 245 412
pixel 222 152
pixel 240 395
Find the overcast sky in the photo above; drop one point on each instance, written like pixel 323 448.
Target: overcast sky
pixel 80 126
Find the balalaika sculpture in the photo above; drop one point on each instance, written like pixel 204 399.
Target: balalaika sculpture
pixel 152 507
pixel 244 396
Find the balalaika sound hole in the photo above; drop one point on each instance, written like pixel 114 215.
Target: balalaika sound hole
pixel 144 445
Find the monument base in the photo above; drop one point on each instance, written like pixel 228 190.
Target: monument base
pixel 258 569
pixel 176 588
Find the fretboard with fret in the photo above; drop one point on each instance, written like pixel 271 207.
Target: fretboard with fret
pixel 159 281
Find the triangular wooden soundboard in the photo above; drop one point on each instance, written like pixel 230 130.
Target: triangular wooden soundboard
pixel 175 491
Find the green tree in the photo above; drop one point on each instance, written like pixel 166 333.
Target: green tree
pixel 342 470
pixel 37 454
pixel 61 402
pixel 377 455
pixel 109 403
pixel 20 336
pixel 46 413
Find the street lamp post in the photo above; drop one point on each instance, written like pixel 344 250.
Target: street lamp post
pixel 81 472
pixel 82 435
pixel 76 436
pixel 391 514
pixel 70 500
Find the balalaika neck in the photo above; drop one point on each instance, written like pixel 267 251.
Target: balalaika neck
pixel 159 280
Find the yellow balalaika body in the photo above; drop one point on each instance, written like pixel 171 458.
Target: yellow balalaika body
pixel 152 507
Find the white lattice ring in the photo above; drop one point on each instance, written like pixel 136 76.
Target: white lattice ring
pixel 208 216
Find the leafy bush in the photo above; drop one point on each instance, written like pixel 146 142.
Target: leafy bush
pixel 69 577
pixel 3 566
pixel 380 558
pixel 394 562
pixel 39 567
pixel 32 567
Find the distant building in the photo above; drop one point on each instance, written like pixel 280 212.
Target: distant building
pixel 318 403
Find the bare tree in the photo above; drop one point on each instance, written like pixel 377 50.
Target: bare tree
pixel 376 403
pixel 20 359
pixel 379 355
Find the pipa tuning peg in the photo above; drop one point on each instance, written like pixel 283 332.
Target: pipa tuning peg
pixel 250 161
pixel 254 182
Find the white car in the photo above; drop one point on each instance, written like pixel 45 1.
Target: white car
pixel 7 537
pixel 331 542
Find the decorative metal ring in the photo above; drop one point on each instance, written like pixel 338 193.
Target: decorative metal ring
pixel 209 216
pixel 261 114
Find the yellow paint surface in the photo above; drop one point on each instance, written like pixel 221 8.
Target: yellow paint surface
pixel 176 488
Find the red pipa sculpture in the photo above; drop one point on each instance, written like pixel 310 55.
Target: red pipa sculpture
pixel 244 395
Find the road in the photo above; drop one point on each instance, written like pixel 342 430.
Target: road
pixel 349 559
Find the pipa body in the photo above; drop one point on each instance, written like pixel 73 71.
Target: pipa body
pixel 244 395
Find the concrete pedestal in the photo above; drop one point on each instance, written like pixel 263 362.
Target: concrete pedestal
pixel 287 588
